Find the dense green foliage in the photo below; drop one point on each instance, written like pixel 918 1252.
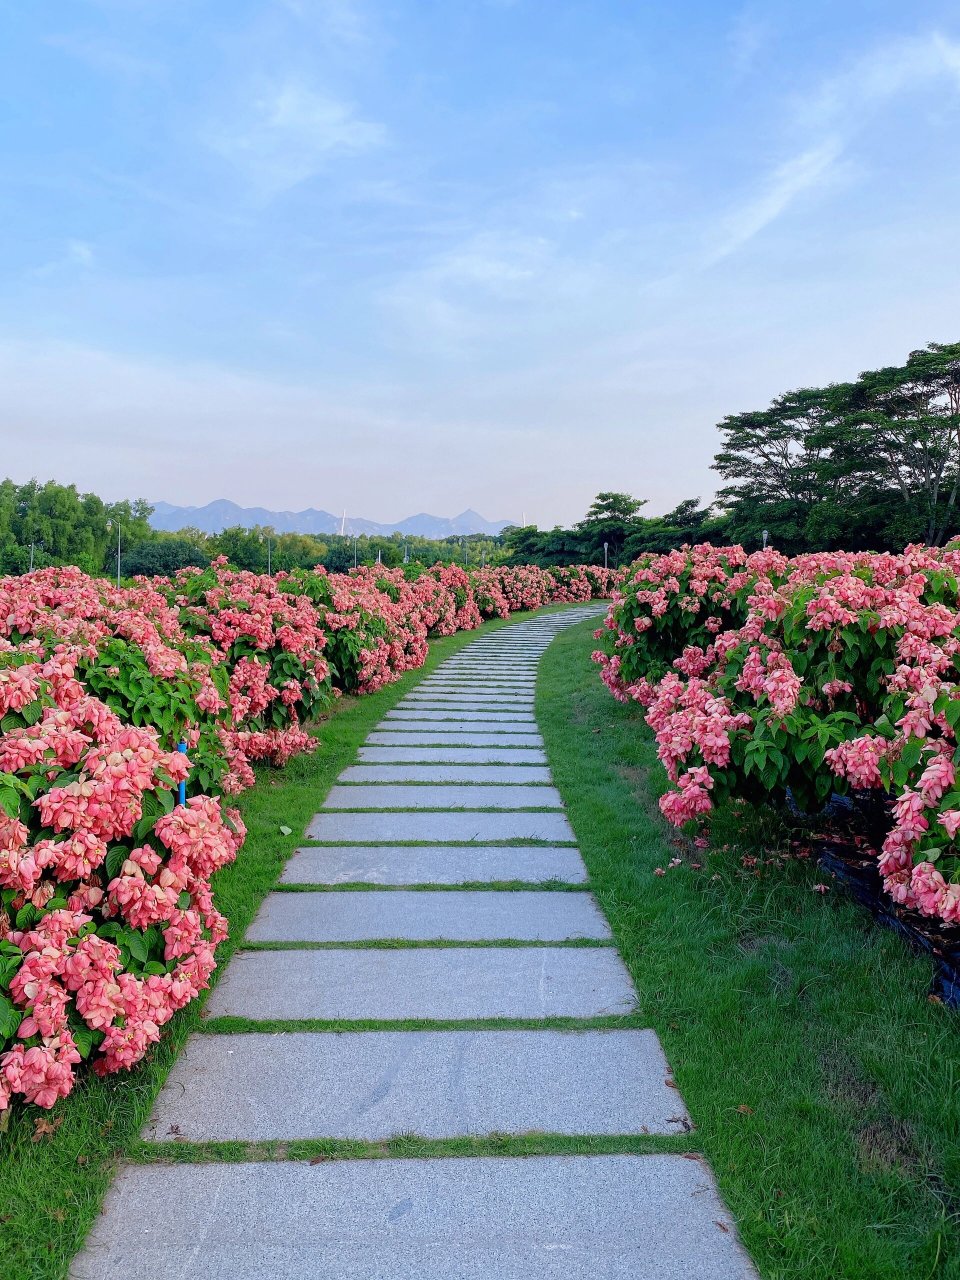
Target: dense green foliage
pixel 871 464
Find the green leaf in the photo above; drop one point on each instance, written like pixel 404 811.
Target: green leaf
pixel 136 944
pixel 114 860
pixel 31 713
pixel 10 1019
pixel 9 799
pixel 82 1038
pixel 27 916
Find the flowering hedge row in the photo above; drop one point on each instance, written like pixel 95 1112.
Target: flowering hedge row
pixel 822 673
pixel 107 919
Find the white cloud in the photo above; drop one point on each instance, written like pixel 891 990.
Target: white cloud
pixel 897 66
pixel 746 40
pixel 800 175
pixel 343 20
pixel 77 255
pixel 289 132
pixel 109 56
pixel 828 120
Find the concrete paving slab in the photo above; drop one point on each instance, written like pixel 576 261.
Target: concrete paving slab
pixel 504 773
pixel 473 693
pixel 505 729
pixel 513 703
pixel 487 691
pixel 446 983
pixel 438 1084
pixel 433 715
pixel 450 681
pixel 451 738
pixel 459 755
pixel 441 796
pixel 655 1217
pixel 433 864
pixel 467 915
pixel 439 828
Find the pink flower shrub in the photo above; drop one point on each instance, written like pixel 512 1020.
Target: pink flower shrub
pixel 107 918
pixel 760 674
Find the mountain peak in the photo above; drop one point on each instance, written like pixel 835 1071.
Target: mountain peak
pixel 222 513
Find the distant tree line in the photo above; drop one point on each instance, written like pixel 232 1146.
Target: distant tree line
pixel 870 464
pixel 51 524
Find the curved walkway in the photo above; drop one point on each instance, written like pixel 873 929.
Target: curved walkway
pixel 451 845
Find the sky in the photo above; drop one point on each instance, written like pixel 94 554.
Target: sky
pixel 390 256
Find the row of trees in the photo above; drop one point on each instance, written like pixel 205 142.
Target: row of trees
pixel 45 524
pixel 870 464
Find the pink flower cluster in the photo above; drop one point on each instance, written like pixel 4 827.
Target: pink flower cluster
pixel 106 947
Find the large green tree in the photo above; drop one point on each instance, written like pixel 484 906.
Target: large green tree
pixel 610 520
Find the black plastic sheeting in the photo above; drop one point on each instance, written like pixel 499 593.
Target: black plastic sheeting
pixel 864 883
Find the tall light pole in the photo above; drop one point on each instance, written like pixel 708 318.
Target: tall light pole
pixel 606 548
pixel 406 554
pixel 766 535
pixel 109 527
pixel 269 554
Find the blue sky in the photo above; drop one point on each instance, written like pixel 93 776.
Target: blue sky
pixel 392 256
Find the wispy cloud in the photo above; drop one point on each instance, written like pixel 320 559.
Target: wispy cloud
pixel 106 55
pixel 909 63
pixel 343 20
pixel 746 41
pixel 801 174
pixel 828 120
pixel 289 132
pixel 77 255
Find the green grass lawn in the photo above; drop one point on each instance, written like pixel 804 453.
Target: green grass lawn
pixel 820 1078
pixel 55 1167
pixel 824 1085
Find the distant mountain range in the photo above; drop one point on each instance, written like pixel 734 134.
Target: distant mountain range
pixel 223 514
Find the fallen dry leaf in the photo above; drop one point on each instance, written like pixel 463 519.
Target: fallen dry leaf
pixel 42 1128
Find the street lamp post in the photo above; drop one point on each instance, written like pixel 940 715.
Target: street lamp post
pixel 606 548
pixel 269 553
pixel 766 535
pixel 109 527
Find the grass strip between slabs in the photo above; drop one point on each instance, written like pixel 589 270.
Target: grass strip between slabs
pixel 228 1025
pixel 401 944
pixel 411 1146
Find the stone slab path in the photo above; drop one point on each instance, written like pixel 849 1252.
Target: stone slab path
pixel 489 1218
pixel 395 914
